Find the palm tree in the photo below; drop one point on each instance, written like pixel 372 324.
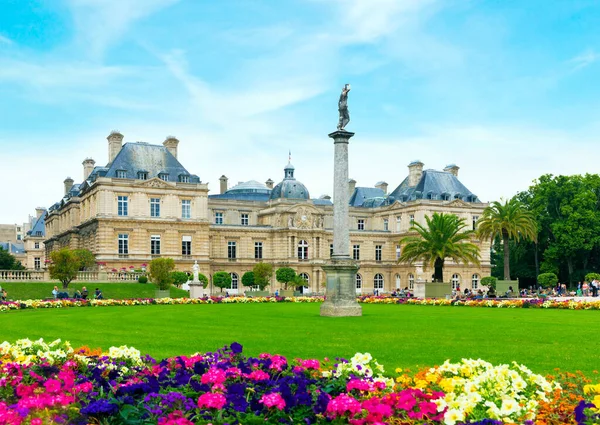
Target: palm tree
pixel 510 221
pixel 443 237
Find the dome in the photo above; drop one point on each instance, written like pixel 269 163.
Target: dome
pixel 290 188
pixel 251 186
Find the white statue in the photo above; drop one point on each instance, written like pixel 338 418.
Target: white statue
pixel 195 271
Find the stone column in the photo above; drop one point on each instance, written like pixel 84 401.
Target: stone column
pixel 340 293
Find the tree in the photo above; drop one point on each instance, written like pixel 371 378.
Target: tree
pixel 262 274
pixel 64 266
pixel 444 236
pixel 248 279
pixel 8 261
pixel 160 272
pixel 489 281
pixel 179 278
pixel 85 258
pixel 547 280
pixel 508 221
pixel 222 280
pixel 203 279
pixel 285 275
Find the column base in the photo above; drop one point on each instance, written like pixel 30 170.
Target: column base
pixel 340 298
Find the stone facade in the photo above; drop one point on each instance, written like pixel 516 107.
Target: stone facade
pixel 128 221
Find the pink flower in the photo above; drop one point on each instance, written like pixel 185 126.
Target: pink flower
pixel 258 375
pixel 52 385
pixel 213 376
pixel 175 418
pixel 37 421
pixel 273 400
pixel 211 401
pixel 310 364
pixel 341 405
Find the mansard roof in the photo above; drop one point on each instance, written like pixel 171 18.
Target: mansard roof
pixel 246 191
pixel 361 194
pixel 439 185
pixel 39 227
pixel 13 247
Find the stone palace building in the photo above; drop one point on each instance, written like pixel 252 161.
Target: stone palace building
pixel 145 204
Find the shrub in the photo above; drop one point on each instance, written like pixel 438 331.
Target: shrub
pixel 179 278
pixel 160 272
pixel 203 279
pixel 547 280
pixel 222 280
pixel 248 279
pixel 285 275
pixel 85 259
pixel 142 279
pixel 592 276
pixel 489 281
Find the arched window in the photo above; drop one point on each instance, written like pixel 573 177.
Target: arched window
pixel 302 250
pixel 234 281
pixel 411 281
pixel 398 281
pixel 305 277
pixel 378 282
pixel 358 281
pixel 306 287
pixel 475 281
pixel 455 281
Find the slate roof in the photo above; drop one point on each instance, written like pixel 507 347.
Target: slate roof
pixel 322 201
pixel 39 226
pixel 361 194
pixel 12 247
pixel 289 188
pixel 246 191
pixel 438 185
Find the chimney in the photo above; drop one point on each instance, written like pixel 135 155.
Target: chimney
pixel 223 181
pixel 88 167
pixel 115 143
pixel 383 186
pixel 452 169
pixel 39 211
pixel 415 171
pixel 68 184
pixel 171 143
pixel 351 187
pixel 269 184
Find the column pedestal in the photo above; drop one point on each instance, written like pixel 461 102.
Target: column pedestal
pixel 341 291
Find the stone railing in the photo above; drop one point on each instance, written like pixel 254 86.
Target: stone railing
pixel 23 275
pixel 124 276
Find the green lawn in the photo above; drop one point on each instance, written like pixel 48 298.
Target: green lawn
pixel 398 336
pixel 42 290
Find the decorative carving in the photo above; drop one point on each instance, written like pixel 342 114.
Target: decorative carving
pixel 303 219
pixel 158 183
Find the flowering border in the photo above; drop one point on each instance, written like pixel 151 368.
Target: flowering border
pixel 489 303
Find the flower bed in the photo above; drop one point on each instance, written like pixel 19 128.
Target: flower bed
pixel 490 303
pixel 54 383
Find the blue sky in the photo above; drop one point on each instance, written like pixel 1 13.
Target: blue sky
pixel 508 90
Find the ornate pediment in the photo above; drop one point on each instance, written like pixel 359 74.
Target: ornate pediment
pixel 156 182
pixel 303 217
pixel 459 203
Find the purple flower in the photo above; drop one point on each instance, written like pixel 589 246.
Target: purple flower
pixel 236 348
pixel 580 415
pixel 100 407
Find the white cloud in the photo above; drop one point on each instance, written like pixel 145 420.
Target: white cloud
pixel 5 40
pixel 584 59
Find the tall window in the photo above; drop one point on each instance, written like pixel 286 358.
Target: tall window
pixel 142 175
pixel 398 252
pixel 186 208
pixel 412 219
pixel 361 224
pixel 155 244
pixel 122 205
pixel 397 281
pixel 164 177
pixel 331 250
pixel 475 218
pixel 36 245
pixel 411 281
pixel 398 222
pixel 358 281
pixel 475 281
pixel 378 249
pixel 186 245
pixel 121 174
pixel 306 278
pixel 234 281
pixel 386 224
pixel 184 178
pixel 455 281
pixel 37 263
pixel 218 217
pixel 123 244
pixel 258 250
pixel 244 219
pixel 231 250
pixel 154 207
pixel 378 282
pixel 356 252
pixel 302 250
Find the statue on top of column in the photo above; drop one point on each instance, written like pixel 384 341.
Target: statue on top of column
pixel 343 108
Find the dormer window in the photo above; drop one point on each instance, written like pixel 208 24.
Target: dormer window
pixel 142 175
pixel 121 174
pixel 164 177
pixel 38 233
pixel 184 178
pixel 429 195
pixel 445 196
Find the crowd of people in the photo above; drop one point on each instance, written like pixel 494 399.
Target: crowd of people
pixel 78 295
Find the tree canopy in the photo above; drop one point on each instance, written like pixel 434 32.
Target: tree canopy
pixel 160 272
pixel 64 266
pixel 285 275
pixel 443 236
pixel 222 280
pixel 262 274
pixel 8 261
